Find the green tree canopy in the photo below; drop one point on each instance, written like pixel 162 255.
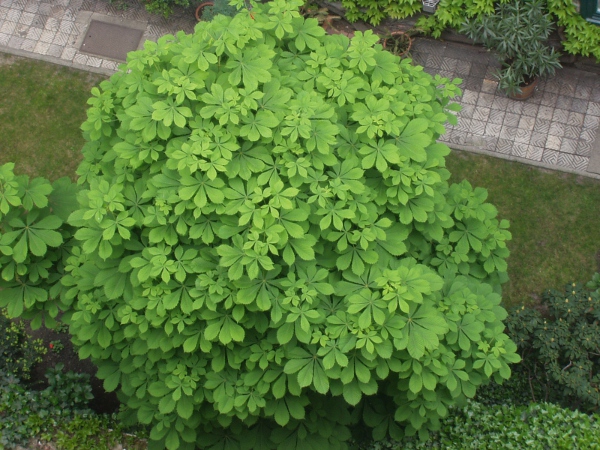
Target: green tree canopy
pixel 267 248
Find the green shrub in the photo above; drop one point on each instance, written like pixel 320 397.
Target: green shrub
pixel 537 427
pixel 33 245
pixel 18 351
pixel 560 348
pixel 266 238
pixel 582 37
pixel 164 7
pixel 26 413
pixel 219 7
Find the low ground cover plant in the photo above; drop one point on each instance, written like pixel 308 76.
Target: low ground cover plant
pixel 265 238
pixel 537 426
pixel 559 343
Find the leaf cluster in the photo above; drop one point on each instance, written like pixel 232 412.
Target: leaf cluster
pixel 26 413
pixel 32 244
pixel 560 348
pixel 266 238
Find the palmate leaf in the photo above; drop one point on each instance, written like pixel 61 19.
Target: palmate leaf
pixel 250 66
pixel 306 30
pixel 424 324
pixel 17 298
pixel 412 142
pixel 36 193
pixel 32 236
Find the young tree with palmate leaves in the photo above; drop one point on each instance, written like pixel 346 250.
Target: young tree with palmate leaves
pixel 265 247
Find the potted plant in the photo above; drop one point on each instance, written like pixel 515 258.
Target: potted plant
pixel 397 42
pixel 207 10
pixel 517 32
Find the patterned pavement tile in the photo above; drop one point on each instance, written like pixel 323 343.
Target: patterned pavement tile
pixel 8 27
pixel 467 111
pixel 534 153
pixel 575 119
pixel 500 103
pixel 519 149
pixel 27 45
pixel 490 143
pixel 588 134
pixel 557 129
pixel 568 145
pixel 522 136
pixel 68 54
pixel 583 148
pixel 15 42
pixel 94 61
pixel 580 105
pixel 496 117
pixel 582 92
pixel 504 146
pixel 469 97
pixel 553 142
pixel 514 107
pixel 478 127
pixel 34 34
pixel 530 109
pixel 550 156
pixel 493 130
pixel 485 100
pixel 45 9
pixel 593 109
pixel 47 36
pixel 572 161
pixel 32 6
pixel 548 99
pixel 526 123
pixel 41 48
pixel 564 102
pixel 481 113
pixel 508 133
pixel 473 83
pixel 560 115
pixel 13 15
pixel 511 120
pixel 573 132
pixel 591 121
pixel 55 50
pixel 4 38
pixel 538 139
pixel 545 112
pixel 449 64
pixel 80 58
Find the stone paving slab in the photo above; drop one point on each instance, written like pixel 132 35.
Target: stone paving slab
pixel 557 128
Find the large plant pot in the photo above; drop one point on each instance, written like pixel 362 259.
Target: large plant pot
pixel 526 91
pixel 402 36
pixel 200 9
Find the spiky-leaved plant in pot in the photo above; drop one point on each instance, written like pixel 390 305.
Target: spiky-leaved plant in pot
pixel 517 32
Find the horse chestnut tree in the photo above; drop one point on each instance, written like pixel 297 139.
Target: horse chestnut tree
pixel 265 248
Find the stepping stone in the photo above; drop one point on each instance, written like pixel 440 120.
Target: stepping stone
pixel 110 40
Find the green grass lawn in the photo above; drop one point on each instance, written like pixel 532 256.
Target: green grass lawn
pixel 42 106
pixel 554 216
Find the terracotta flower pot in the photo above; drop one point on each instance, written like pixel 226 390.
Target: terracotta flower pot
pixel 403 36
pixel 526 91
pixel 200 8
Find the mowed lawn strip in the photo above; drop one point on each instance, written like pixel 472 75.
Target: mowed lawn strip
pixel 42 106
pixel 554 220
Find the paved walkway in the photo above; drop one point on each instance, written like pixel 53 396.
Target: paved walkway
pixel 556 129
